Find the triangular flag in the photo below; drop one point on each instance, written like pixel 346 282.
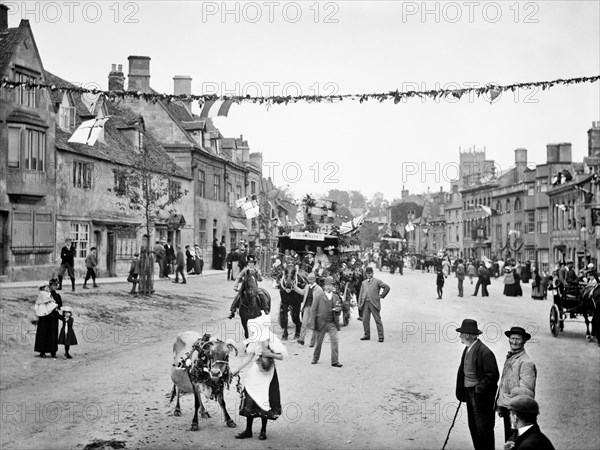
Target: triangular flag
pixel 489 211
pixel 353 225
pixel 88 132
pixel 214 108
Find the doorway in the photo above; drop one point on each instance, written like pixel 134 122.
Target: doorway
pixel 111 254
pixel 3 242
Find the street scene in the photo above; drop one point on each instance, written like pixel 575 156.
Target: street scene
pixel 320 225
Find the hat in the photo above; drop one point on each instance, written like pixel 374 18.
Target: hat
pixel 310 252
pixel 329 280
pixel 311 276
pixel 53 281
pixel 93 248
pixel 518 330
pixel 43 284
pixel 66 309
pixel 331 247
pixel 369 269
pixel 469 326
pixel 524 404
pixel 251 258
pixel 590 266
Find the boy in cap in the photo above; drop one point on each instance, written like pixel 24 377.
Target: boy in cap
pixel 527 434
pixel 518 375
pixel 324 319
pixel 91 261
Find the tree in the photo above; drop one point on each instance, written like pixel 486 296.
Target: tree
pixel 378 204
pixel 340 197
pixel 369 234
pixel 148 186
pixel 357 200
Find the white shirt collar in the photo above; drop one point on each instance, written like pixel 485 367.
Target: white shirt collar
pixel 522 430
pixel 329 295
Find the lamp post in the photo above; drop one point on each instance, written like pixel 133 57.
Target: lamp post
pixel 582 232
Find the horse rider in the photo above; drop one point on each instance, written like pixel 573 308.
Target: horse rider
pixel 252 271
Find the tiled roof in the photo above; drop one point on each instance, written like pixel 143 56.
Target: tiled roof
pixel 116 148
pixel 9 40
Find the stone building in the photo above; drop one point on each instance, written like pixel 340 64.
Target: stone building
pixel 222 170
pixel 27 160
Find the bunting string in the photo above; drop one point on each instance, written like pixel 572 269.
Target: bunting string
pixel 396 96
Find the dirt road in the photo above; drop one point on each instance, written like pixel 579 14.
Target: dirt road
pixel 396 394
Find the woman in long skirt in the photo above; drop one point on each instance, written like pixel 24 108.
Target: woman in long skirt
pixel 46 336
pixel 537 288
pixel 260 397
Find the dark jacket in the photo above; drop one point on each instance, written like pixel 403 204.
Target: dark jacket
pixel 180 261
pixel 67 256
pixel 170 252
pixel 486 370
pixel 322 313
pixel 532 439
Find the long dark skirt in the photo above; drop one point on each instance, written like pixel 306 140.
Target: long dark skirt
pixel 249 408
pixel 46 335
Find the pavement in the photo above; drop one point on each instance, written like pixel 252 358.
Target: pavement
pixel 101 281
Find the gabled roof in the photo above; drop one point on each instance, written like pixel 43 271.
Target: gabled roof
pixel 9 40
pixel 116 148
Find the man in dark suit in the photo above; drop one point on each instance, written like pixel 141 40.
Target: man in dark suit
pixel 476 385
pixel 311 291
pixel 527 436
pixel 372 291
pixel 324 319
pixel 169 258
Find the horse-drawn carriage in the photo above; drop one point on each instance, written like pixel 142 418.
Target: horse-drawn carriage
pixel 573 300
pixel 296 274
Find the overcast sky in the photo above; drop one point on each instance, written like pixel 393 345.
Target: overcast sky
pixel 350 47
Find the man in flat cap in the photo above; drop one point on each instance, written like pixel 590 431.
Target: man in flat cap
pixel 518 375
pixel 527 434
pixel 476 385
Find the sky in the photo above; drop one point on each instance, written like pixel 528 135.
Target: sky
pixel 290 48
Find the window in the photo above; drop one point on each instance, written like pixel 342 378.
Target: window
pixel 229 198
pixel 542 185
pixel 120 185
pixel 507 205
pixel 233 241
pixel 518 204
pixel 518 228
pixel 530 254
pixel 202 233
pixel 238 192
pixel 127 244
pixel 26 148
pixel 217 187
pixel 202 183
pixel 43 229
pixel 499 232
pixel 82 174
pixel 543 256
pixel 542 221
pixel 498 206
pixel 174 190
pixel 530 189
pixel 26 97
pixel 80 235
pixel 253 187
pixel 530 222
pixel 32 229
pixel 66 117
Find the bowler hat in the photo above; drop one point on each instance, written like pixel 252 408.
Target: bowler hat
pixel 369 269
pixel 251 258
pixel 329 280
pixel 524 404
pixel 518 330
pixel 469 326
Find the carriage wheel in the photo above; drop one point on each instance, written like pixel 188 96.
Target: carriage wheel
pixel 554 320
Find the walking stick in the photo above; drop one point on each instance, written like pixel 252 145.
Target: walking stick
pixel 453 420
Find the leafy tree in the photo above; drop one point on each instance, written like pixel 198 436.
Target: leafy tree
pixel 378 204
pixel 340 197
pixel 357 200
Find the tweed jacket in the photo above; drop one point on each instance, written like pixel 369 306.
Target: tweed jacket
pixel 322 311
pixel 317 290
pixel 372 291
pixel 486 370
pixel 519 372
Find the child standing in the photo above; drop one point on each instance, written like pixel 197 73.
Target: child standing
pixel 67 335
pixel 440 282
pixel 134 272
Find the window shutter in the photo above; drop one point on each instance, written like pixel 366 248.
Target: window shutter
pixel 22 234
pixel 43 229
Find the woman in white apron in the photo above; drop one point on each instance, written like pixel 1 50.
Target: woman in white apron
pixel 260 397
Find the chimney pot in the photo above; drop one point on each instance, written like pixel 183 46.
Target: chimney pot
pixel 113 67
pixel 182 85
pixel 120 68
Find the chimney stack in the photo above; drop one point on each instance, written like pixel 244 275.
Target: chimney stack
pixel 116 79
pixel 552 153
pixel 564 152
pixel 182 85
pixel 520 164
pixel 139 73
pixel 594 139
pixel 3 17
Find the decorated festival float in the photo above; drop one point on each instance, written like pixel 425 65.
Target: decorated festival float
pixel 320 242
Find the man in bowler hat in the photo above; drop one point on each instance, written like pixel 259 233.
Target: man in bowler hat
pixel 476 385
pixel 372 290
pixel 527 434
pixel 518 375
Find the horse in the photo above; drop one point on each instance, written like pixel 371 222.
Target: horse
pixel 290 299
pixel 253 299
pixel 590 298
